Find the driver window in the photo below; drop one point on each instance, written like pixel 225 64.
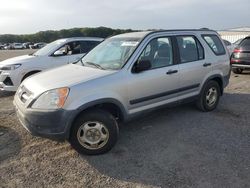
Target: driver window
pixel 61 51
pixel 158 52
pixel 73 48
pixel 70 48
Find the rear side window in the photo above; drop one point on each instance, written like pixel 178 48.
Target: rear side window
pixel 86 46
pixel 190 49
pixel 215 44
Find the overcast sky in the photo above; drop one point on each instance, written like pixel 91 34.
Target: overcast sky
pixel 30 16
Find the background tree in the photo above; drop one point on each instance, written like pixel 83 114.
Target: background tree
pixel 49 36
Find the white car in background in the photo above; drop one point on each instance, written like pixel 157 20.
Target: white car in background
pixel 38 45
pixel 17 46
pixel 60 52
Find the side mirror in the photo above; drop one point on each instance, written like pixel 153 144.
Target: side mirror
pixel 59 53
pixel 142 65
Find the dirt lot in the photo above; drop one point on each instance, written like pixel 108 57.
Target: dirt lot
pixel 174 147
pixel 5 54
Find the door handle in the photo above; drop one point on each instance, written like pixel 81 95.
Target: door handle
pixel 172 71
pixel 207 64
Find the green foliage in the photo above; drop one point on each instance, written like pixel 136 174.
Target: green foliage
pixel 49 36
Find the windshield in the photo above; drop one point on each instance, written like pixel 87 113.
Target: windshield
pixel 110 54
pixel 49 47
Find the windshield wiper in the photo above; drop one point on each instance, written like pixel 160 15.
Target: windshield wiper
pixel 81 62
pixel 95 64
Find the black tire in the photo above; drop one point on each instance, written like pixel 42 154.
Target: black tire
pixel 237 70
pixel 202 102
pixel 95 115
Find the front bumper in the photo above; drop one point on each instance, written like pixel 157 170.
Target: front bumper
pixel 53 124
pixel 3 86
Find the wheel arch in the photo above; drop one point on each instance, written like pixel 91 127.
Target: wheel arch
pixel 110 105
pixel 29 74
pixel 219 79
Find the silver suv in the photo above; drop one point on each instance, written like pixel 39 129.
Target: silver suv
pixel 121 78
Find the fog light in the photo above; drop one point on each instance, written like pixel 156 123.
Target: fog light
pixel 8 82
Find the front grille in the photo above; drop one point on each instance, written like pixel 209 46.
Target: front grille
pixel 24 94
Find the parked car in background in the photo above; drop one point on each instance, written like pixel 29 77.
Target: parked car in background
pixel 240 59
pixel 26 45
pixel 237 42
pixel 122 77
pixel 60 52
pixel 38 45
pixel 8 46
pixel 229 45
pixel 1 46
pixel 17 46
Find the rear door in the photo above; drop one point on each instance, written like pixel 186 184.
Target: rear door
pixel 193 67
pixel 219 56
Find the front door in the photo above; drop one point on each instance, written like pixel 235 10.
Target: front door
pixel 159 84
pixel 68 53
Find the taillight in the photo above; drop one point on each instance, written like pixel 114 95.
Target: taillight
pixel 234 61
pixel 236 50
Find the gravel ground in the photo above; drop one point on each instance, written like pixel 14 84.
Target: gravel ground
pixel 5 54
pixel 173 147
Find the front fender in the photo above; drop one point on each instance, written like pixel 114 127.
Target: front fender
pixel 89 104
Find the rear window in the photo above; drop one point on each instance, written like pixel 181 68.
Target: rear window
pixel 227 43
pixel 215 44
pixel 245 42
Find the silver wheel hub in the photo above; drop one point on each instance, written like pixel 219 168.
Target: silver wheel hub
pixel 211 96
pixel 93 135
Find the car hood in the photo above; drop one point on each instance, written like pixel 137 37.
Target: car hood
pixel 19 59
pixel 64 76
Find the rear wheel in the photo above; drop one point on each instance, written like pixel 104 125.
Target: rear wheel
pixel 209 97
pixel 94 132
pixel 237 70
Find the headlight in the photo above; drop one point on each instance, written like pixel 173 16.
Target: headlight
pixel 10 67
pixel 52 99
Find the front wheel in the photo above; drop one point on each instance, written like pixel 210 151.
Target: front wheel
pixel 94 132
pixel 209 97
